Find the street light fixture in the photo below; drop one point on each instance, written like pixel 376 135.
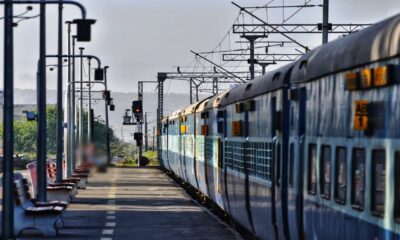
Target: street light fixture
pixel 84 29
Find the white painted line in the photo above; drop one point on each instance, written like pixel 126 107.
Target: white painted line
pixel 105 238
pixel 111 224
pixel 108 232
pixel 110 217
pixel 110 212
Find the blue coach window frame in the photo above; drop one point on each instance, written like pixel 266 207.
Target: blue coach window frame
pixel 341 175
pixel 325 171
pixel 378 182
pixel 312 169
pixel 358 179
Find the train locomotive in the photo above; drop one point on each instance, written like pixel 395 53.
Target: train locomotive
pixel 310 150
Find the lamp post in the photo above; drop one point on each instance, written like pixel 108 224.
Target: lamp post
pixel 90 126
pixel 7 213
pixel 59 133
pixel 41 106
pixel 8 133
pixel 69 110
pixel 81 143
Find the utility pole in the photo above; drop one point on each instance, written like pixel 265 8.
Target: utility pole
pixel 60 127
pixel 325 22
pixel 146 143
pixel 41 106
pixel 8 118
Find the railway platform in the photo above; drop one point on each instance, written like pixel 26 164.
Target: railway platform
pixel 137 203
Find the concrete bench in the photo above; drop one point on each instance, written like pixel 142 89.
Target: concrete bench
pixel 44 217
pixel 55 192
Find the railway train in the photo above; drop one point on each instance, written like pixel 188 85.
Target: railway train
pixel 310 150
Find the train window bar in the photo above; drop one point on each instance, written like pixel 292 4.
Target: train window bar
pixel 378 182
pixel 325 172
pixel 341 175
pixel 312 169
pixel 358 179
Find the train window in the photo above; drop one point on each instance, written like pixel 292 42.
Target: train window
pixel 278 164
pixel 397 187
pixel 291 165
pixel 378 182
pixel 312 169
pixel 325 172
pixel 341 177
pixel 358 178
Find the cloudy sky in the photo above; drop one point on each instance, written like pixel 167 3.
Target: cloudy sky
pixel 139 38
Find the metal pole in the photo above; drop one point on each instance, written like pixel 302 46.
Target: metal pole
pixel 60 127
pixel 81 143
pixel 161 77
pixel 70 121
pixel 139 129
pixel 325 22
pixel 252 61
pixel 146 143
pixel 41 105
pixel 191 91
pixel 154 134
pixel 90 126
pixel 107 123
pixel 8 117
pixel 215 85
pixel 197 92
pixel 73 112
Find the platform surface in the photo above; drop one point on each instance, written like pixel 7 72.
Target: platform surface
pixel 138 203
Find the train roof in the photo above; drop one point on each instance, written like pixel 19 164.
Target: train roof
pixel 193 107
pixel 380 41
pixel 190 109
pixel 215 101
pixel 175 114
pixel 202 104
pixel 269 82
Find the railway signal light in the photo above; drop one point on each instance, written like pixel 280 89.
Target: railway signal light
pixel 137 109
pixel 107 96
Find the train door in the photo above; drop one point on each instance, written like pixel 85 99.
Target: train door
pixel 165 147
pixel 296 162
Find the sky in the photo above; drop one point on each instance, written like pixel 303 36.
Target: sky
pixel 138 38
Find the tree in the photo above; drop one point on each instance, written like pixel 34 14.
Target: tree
pixel 25 133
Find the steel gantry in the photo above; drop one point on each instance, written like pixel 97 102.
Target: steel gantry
pixel 248 29
pixel 266 57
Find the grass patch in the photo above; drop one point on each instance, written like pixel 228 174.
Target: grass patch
pixel 130 161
